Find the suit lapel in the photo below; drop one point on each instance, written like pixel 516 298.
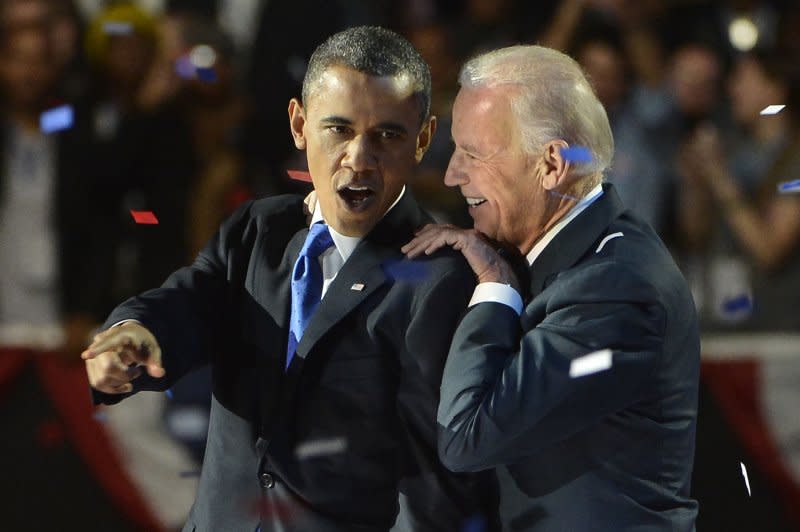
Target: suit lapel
pixel 362 274
pixel 575 239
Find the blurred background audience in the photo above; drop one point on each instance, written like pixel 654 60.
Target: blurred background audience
pixel 178 107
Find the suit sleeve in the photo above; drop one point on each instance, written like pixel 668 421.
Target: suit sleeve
pixel 186 313
pixel 426 483
pixel 507 392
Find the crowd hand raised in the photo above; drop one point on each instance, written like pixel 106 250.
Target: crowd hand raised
pixel 485 261
pixel 117 355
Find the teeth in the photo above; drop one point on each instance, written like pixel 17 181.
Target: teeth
pixel 472 202
pixel 359 189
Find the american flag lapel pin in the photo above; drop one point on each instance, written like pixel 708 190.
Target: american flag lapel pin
pixel 358 287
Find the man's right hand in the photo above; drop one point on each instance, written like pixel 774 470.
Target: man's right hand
pixel 115 356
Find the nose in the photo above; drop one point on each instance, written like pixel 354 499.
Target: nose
pixel 455 176
pixel 360 155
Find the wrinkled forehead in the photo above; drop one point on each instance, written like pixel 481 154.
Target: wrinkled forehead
pixel 343 82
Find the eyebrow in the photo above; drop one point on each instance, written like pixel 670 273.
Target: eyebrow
pixel 390 126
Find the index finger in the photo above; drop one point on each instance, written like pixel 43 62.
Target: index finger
pixel 113 338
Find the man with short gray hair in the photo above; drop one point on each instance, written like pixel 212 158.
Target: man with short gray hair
pixel 583 396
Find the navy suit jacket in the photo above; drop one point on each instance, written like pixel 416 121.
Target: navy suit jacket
pixel 611 450
pixel 364 381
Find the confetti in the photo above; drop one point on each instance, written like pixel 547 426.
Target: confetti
pixel 168 393
pixel 144 217
pixel 577 154
pixel 789 187
pixel 771 110
pixel 299 175
pixel 591 363
pixel 56 119
pixel 476 523
pixel 741 304
pixel 100 417
pixel 317 448
pixel 207 75
pixel 117 28
pixel 406 270
pixel 184 68
pixel 746 480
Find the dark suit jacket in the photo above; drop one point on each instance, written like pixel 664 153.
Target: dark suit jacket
pixel 366 374
pixel 611 450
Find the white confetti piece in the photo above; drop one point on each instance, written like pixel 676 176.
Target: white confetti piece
pixel 591 363
pixel 315 448
pixel 772 110
pixel 746 481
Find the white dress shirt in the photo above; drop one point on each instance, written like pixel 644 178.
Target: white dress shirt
pixel 503 293
pixel 332 259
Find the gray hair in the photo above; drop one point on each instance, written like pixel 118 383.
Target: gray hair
pixel 553 100
pixel 374 51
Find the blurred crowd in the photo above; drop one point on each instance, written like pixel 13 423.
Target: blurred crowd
pixel 179 108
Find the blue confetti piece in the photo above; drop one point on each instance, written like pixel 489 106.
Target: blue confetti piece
pixel 169 394
pixel 738 305
pixel 184 68
pixel 406 270
pixel 577 154
pixel 789 186
pixel 476 523
pixel 207 75
pixel 56 119
pixel 117 28
pixel 100 417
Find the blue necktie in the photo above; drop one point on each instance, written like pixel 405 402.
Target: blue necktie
pixel 306 284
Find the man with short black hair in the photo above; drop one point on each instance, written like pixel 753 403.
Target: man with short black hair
pixel 327 345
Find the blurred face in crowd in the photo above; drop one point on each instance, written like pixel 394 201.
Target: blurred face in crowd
pixel 497 177
pixel 751 90
pixel 695 80
pixel 605 69
pixel 128 59
pixel 363 140
pixel 26 67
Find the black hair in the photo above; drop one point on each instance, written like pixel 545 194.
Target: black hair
pixel 374 51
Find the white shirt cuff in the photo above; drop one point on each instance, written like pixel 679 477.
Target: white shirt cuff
pixel 497 293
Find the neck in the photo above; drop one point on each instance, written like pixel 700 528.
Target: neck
pixel 551 217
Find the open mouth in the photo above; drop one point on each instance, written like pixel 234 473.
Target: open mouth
pixel 474 202
pixel 356 196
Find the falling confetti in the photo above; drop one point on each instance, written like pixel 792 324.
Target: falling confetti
pixel 299 175
pixel 100 416
pixel 476 523
pixel 746 480
pixel 789 187
pixel 406 270
pixel 772 110
pixel 591 363
pixel 203 56
pixel 168 393
pixel 144 217
pixel 741 304
pixel 577 154
pixel 117 28
pixel 56 119
pixel 207 75
pixel 316 448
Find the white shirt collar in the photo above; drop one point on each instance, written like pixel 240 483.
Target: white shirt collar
pixel 345 245
pixel 587 200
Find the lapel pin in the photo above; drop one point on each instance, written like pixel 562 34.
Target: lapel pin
pixel 358 287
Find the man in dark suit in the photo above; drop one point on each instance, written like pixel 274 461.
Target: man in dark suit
pixel 584 396
pixel 336 431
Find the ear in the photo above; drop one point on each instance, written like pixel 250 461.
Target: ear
pixel 425 137
pixel 297 123
pixel 554 167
